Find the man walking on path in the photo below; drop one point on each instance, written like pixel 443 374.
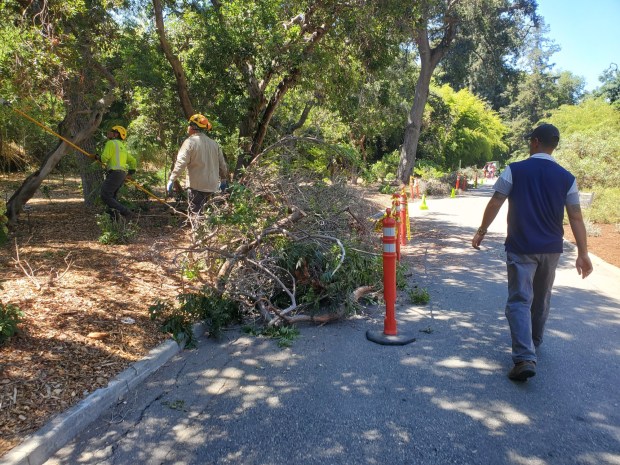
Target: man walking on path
pixel 205 164
pixel 537 190
pixel 118 161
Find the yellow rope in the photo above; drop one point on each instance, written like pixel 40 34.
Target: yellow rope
pixel 45 128
pixel 407 215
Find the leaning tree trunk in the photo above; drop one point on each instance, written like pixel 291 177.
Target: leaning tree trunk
pixel 91 121
pixel 414 123
pixel 429 59
pixel 91 173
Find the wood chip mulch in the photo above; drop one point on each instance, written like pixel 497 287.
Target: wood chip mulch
pixel 85 308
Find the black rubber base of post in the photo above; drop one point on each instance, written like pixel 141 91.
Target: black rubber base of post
pixel 381 338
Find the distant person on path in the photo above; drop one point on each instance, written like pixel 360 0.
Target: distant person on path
pixel 538 189
pixel 118 162
pixel 205 164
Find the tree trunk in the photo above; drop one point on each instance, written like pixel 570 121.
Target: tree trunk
pixel 429 59
pixel 414 123
pixel 177 67
pixel 90 123
pixel 90 172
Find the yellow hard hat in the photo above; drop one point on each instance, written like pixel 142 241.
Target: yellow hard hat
pixel 200 121
pixel 121 131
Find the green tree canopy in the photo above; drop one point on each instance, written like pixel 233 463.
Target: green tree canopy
pixel 474 133
pixel 589 142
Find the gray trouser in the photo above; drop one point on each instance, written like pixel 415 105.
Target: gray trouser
pixel 197 200
pixel 530 280
pixel 109 189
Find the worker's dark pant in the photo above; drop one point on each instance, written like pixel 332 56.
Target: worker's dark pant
pixel 197 201
pixel 109 189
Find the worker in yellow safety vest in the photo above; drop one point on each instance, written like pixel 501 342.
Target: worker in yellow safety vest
pixel 118 162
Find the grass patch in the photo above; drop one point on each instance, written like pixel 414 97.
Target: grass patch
pixel 419 296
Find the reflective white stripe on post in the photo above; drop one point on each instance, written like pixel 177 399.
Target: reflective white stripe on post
pixel 389 248
pixel 390 232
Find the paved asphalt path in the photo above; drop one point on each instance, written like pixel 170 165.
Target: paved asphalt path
pixel 336 398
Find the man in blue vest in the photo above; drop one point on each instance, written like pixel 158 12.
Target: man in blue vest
pixel 118 161
pixel 538 190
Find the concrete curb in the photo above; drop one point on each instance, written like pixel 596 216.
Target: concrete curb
pixel 41 445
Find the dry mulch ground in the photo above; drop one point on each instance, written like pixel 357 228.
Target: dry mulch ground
pixel 86 304
pixel 605 246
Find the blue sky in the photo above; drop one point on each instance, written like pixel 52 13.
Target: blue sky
pixel 588 31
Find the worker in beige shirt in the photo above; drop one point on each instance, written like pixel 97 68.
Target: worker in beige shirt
pixel 205 164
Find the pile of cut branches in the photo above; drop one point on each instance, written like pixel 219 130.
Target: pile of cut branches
pixel 284 247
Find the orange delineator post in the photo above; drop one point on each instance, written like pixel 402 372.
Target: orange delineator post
pixel 458 178
pixel 403 218
pixel 389 273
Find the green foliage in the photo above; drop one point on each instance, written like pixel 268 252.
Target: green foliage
pixel 285 335
pixel 589 142
pixel 206 306
pixel 473 133
pixel 401 271
pixel 191 269
pixel 385 169
pixel 419 296
pixel 46 191
pixel 4 222
pixel 605 206
pixel 610 88
pixel 388 189
pixel 244 210
pixel 591 115
pixel 10 317
pixel 318 282
pixel 428 170
pixel 116 232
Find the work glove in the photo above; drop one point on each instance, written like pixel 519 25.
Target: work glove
pixel 170 187
pixel 223 185
pixel 131 172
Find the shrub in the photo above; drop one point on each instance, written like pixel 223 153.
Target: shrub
pixel 206 306
pixel 419 296
pixel 436 187
pixel 592 157
pixel 10 317
pixel 116 232
pixel 386 168
pixel 428 170
pixel 605 206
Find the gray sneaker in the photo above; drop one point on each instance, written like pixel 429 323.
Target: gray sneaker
pixel 522 370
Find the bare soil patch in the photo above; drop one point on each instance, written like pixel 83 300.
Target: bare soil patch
pixel 606 246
